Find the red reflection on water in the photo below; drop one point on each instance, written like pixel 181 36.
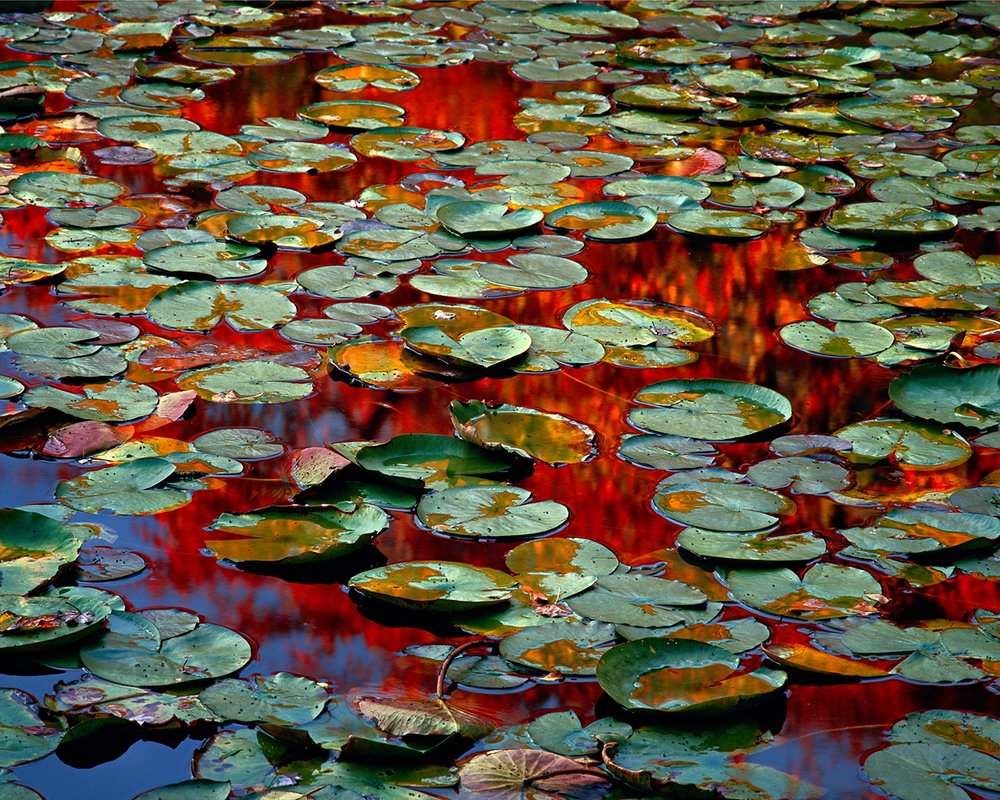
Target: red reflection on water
pixel 315 628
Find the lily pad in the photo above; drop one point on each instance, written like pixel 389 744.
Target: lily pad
pixel 525 432
pixel 966 397
pixel 292 536
pixel 682 675
pixel 494 512
pixel 709 409
pixel 438 586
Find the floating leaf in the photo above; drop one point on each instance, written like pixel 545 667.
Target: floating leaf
pixel 494 512
pixel 526 432
pixel 440 586
pixel 720 506
pixel 711 410
pixel 825 591
pixel 967 397
pixel 291 536
pixel 569 648
pixel 678 675
pixel 133 488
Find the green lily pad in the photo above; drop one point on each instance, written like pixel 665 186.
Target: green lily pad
pixel 494 512
pixel 24 735
pixel 34 548
pixel 33 624
pixel 887 220
pixel 562 555
pixel 353 114
pixel 484 348
pixel 605 221
pixel 279 699
pixel 718 224
pixel 720 506
pixel 133 488
pixel 755 547
pixel 966 397
pixel 288 536
pixel 64 190
pixel 431 460
pixel 525 432
pixel 909 444
pixel 825 591
pixel 253 381
pixel 846 340
pixel 670 453
pixel 475 218
pixel 200 306
pixel 438 586
pixel 115 401
pixel 569 648
pixel 681 675
pixel 156 659
pixel 710 410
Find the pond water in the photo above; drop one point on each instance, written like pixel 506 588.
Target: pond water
pixel 692 299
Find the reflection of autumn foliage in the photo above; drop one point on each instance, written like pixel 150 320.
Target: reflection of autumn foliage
pixel 309 624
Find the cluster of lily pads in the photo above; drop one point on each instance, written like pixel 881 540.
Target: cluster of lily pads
pixel 718 122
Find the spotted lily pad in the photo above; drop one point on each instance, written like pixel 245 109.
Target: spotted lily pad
pixel 910 444
pixel 152 658
pixel 966 397
pixel 682 675
pixel 296 536
pixel 526 432
pixel 825 591
pixel 846 340
pixel 605 221
pixel 439 586
pixel 569 648
pixel 886 220
pixel 709 409
pixel 720 506
pixel 494 512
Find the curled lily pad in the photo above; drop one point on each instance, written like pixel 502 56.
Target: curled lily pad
pixel 526 432
pixel 439 586
pixel 296 536
pixel 499 512
pixel 909 531
pixel 606 221
pixel 720 506
pixel 681 675
pixel 26 736
pixel 967 397
pixel 31 624
pixel 510 773
pixel 709 409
